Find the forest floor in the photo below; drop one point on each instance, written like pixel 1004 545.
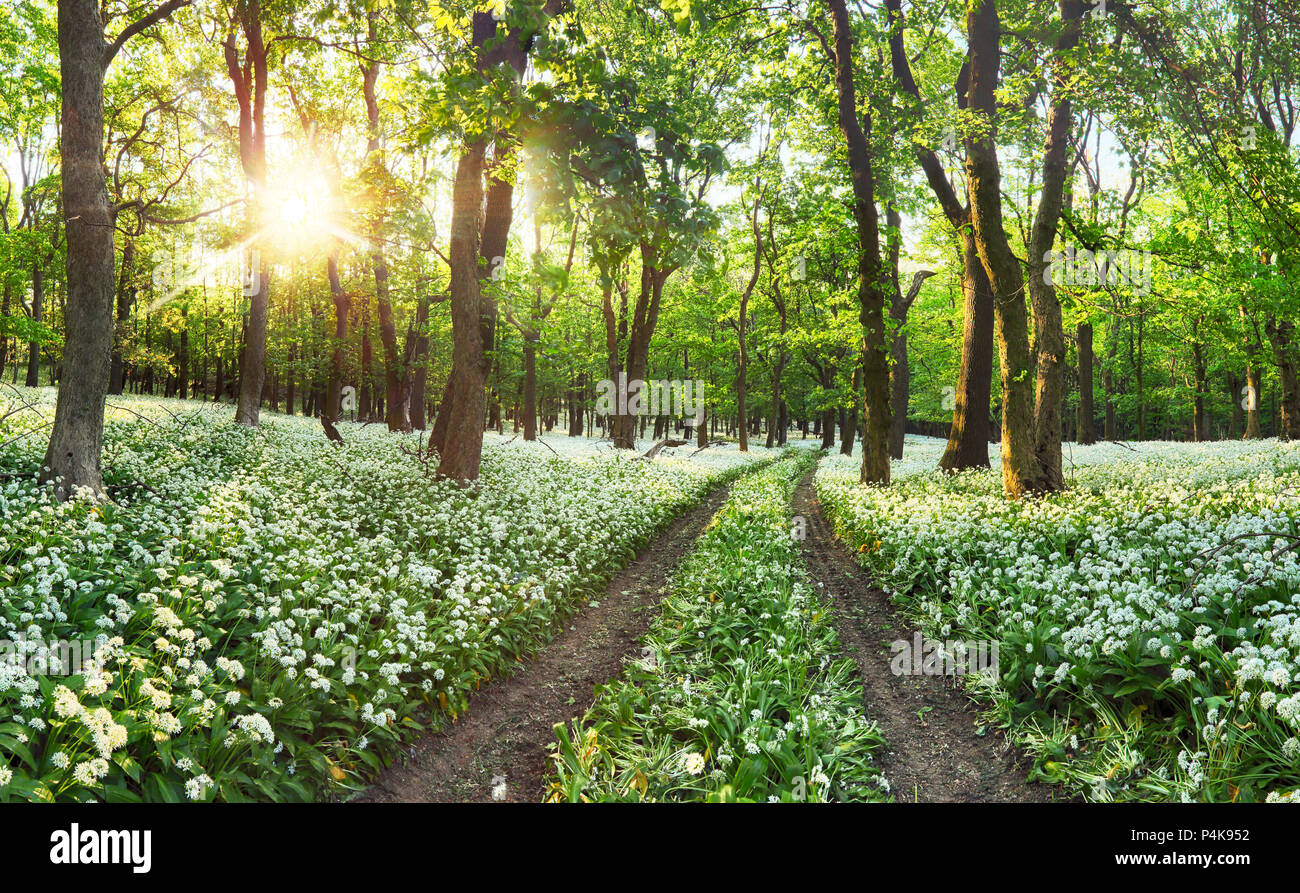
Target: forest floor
pixel 497 751
pixel 938 749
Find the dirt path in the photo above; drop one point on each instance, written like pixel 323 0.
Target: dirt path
pixel 938 751
pixel 500 742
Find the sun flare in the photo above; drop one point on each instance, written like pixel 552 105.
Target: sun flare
pixel 294 211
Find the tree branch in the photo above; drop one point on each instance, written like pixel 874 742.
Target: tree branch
pixel 141 24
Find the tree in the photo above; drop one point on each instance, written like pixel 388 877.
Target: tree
pixel 72 460
pixel 969 435
pixel 1031 415
pixel 249 78
pixel 871 297
pixel 474 317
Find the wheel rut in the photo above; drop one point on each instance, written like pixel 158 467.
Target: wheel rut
pixel 938 750
pixel 497 751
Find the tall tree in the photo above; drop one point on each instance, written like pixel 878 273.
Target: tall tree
pixel 72 460
pixel 871 295
pixel 248 76
pixel 479 228
pixel 968 437
pixel 1031 413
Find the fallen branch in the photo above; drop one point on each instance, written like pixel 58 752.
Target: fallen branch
pixel 1293 545
pixel 654 450
pixel 132 484
pixel 331 431
pixel 711 443
pixel 423 453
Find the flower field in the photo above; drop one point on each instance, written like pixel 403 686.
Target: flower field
pixel 273 614
pixel 741 693
pixel 1148 617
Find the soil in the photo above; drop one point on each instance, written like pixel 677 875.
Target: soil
pixel 497 751
pixel 938 748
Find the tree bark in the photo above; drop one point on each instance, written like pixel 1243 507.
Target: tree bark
pixel 871 297
pixel 1021 471
pixel 38 311
pixel 465 402
pixel 1254 390
pixel 1200 422
pixel 530 388
pixel 249 79
pixel 125 301
pixel 1031 414
pixel 419 364
pixel 332 411
pixel 396 392
pixel 1087 413
pixel 968 438
pixel 1049 334
pixel 900 371
pixel 183 358
pixel 72 460
pixel 479 230
pixel 742 410
pixel 645 317
pixel 1280 335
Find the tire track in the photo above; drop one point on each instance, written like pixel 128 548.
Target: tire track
pixel 497 751
pixel 937 748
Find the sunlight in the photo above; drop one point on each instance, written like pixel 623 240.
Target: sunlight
pixel 300 208
pixel 294 211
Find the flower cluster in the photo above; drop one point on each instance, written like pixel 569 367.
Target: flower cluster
pixel 271 615
pixel 1149 616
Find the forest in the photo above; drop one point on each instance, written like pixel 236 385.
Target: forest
pixel 379 375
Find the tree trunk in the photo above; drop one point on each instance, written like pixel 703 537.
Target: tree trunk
pixel 419 366
pixel 1237 416
pixel 968 438
pixel 530 388
pixel 871 297
pixel 125 300
pixel 479 230
pixel 38 310
pixel 72 461
pixel 464 402
pixel 1281 337
pixel 4 340
pixel 1049 333
pixel 249 79
pixel 183 358
pixel 396 396
pixel 1200 422
pixel 1087 414
pixel 1254 389
pixel 1031 414
pixel 291 390
pixel 1021 471
pixel 742 384
pixel 900 372
pixel 645 317
pixel 332 411
pixel 365 395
